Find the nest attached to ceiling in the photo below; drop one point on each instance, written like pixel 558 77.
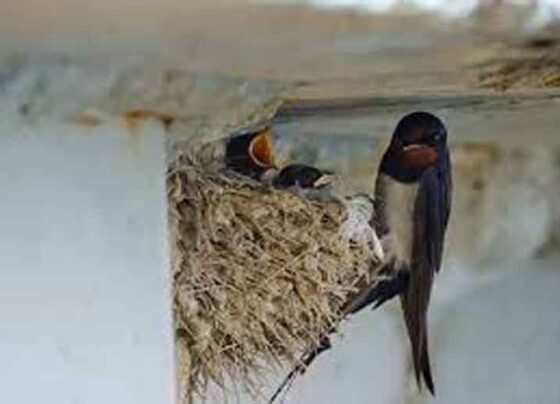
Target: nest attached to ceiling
pixel 259 276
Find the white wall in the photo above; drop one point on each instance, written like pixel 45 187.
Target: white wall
pixel 496 343
pixel 84 288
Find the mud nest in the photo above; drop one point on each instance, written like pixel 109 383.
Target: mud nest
pixel 259 276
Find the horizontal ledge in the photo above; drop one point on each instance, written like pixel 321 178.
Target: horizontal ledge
pixel 329 107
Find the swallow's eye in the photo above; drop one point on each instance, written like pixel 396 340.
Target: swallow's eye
pixel 436 136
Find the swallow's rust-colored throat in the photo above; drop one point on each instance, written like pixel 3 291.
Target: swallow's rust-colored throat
pixel 418 156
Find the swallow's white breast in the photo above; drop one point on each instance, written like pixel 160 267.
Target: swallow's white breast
pixel 399 213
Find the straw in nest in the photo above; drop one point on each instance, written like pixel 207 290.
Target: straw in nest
pixel 259 276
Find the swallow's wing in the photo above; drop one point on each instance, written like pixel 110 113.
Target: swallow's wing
pixel 446 188
pixel 431 214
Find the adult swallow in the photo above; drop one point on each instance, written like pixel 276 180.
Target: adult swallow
pixel 411 211
pixel 302 176
pixel 250 153
pixel 412 206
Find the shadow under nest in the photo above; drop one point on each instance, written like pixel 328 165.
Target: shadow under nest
pixel 260 275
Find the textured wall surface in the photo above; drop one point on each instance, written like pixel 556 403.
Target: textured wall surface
pixel 84 302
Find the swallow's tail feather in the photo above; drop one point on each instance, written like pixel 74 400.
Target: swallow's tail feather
pixel 425 367
pixel 415 307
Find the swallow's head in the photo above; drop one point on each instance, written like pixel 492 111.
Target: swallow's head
pixel 250 153
pixel 260 150
pixel 418 143
pixel 302 176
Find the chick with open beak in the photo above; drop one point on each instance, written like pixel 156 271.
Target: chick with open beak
pixel 251 153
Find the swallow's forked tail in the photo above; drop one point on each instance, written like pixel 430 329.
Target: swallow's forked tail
pixel 415 307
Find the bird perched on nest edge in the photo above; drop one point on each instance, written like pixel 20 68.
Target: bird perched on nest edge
pixel 412 206
pixel 411 210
